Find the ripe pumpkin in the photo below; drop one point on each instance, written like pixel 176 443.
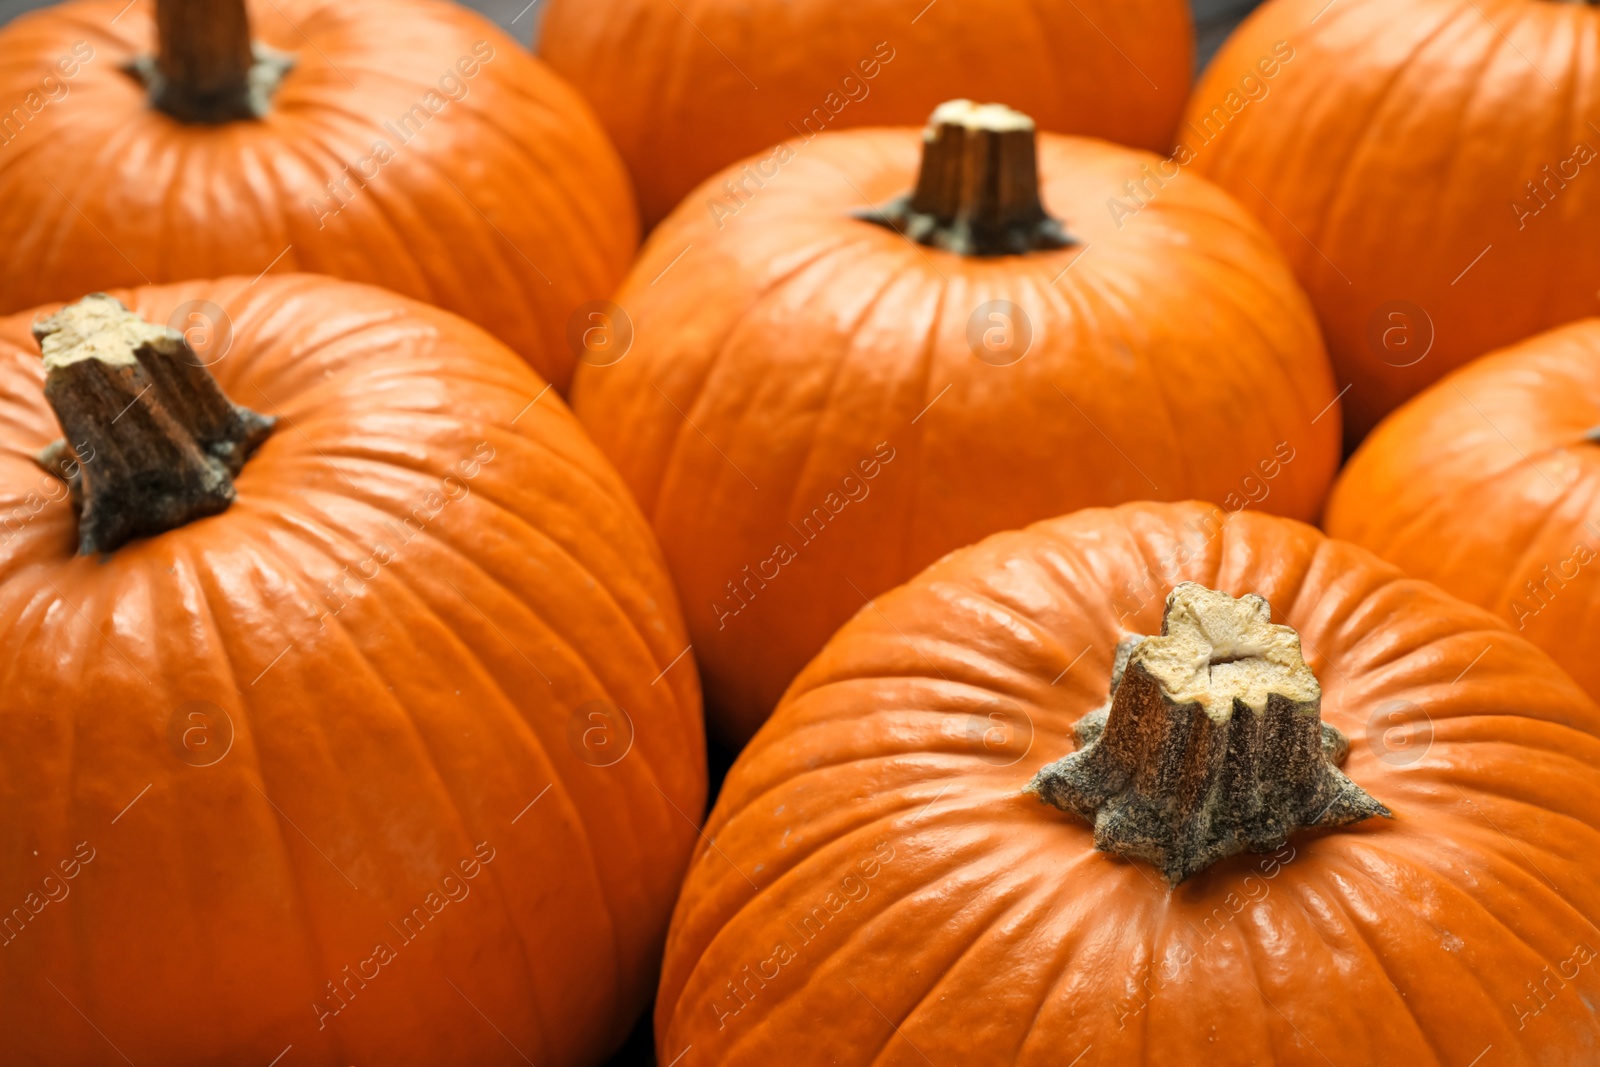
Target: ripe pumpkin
pixel 406 143
pixel 815 407
pixel 1485 484
pixel 387 756
pixel 1419 163
pixel 879 865
pixel 687 89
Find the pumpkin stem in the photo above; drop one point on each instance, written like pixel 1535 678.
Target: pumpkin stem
pixel 977 193
pixel 1212 742
pixel 205 68
pixel 160 441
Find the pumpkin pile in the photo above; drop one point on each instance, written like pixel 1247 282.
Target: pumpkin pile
pixel 960 426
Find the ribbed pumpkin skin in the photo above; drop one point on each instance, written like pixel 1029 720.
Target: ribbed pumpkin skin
pixel 687 88
pixel 1488 482
pixel 509 208
pixel 1170 358
pixel 378 737
pixel 1386 160
pixel 966 922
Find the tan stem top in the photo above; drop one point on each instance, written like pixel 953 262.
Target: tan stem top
pixel 977 191
pixel 160 441
pixel 1212 742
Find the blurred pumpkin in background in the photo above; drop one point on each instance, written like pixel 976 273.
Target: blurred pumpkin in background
pixel 1488 483
pixel 903 341
pixel 685 89
pixel 355 722
pixel 406 143
pixel 1425 167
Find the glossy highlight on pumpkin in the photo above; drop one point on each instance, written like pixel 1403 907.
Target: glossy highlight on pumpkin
pixel 814 407
pixel 411 145
pixel 399 742
pixel 881 890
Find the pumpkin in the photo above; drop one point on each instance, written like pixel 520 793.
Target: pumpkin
pixel 1485 484
pixel 405 143
pixel 950 846
pixel 1420 163
pixel 687 89
pixel 375 741
pixel 815 406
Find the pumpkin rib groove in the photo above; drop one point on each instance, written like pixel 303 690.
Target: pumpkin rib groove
pixel 313 944
pixel 1329 210
pixel 1532 546
pixel 1156 385
pixel 541 621
pixel 1363 936
pixel 489 252
pixel 980 929
pixel 915 894
pixel 546 624
pixel 444 547
pixel 1332 211
pixel 578 565
pixel 1480 837
pixel 1287 375
pixel 280 229
pixel 754 898
pixel 1360 936
pixel 436 167
pixel 1037 932
pixel 1070 947
pixel 572 208
pixel 1153 943
pixel 1251 973
pixel 717 359
pixel 836 373
pixel 535 748
pixel 1469 973
pixel 875 822
pixel 1483 827
pixel 1055 973
pixel 928 356
pixel 399 252
pixel 575 810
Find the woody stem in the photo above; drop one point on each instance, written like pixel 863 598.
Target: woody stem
pixel 205 68
pixel 160 441
pixel 977 191
pixel 1212 742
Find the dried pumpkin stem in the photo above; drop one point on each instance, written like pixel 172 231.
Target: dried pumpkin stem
pixel 161 442
pixel 205 67
pixel 1212 743
pixel 977 191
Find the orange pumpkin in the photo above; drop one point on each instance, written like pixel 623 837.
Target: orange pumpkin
pixel 1485 484
pixel 406 143
pixel 389 755
pixel 880 864
pixel 1423 165
pixel 687 89
pixel 815 407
